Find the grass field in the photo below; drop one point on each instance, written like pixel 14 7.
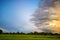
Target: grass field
pixel 27 37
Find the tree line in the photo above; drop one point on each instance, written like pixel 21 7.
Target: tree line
pixel 31 33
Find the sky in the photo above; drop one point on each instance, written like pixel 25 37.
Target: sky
pixel 47 16
pixel 15 15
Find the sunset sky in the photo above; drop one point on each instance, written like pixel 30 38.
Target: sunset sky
pixel 30 15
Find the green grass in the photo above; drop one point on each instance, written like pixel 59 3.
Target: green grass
pixel 27 37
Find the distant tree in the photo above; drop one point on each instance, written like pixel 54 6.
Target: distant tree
pixel 1 31
pixel 14 33
pixel 36 32
pixel 18 33
pixel 22 33
pixel 31 33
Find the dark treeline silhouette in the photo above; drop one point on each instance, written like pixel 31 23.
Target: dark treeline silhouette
pixel 1 31
pixel 31 33
pixel 42 33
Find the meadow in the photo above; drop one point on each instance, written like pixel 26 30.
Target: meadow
pixel 28 37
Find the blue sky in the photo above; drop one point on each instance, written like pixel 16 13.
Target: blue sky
pixel 15 14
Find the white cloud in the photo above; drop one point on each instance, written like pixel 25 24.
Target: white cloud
pixel 4 30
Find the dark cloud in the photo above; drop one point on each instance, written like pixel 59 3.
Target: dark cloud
pixel 41 16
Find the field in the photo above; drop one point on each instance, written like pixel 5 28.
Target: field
pixel 28 37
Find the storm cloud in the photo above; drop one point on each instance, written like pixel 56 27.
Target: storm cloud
pixel 44 14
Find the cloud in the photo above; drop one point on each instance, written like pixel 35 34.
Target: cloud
pixel 4 30
pixel 45 14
